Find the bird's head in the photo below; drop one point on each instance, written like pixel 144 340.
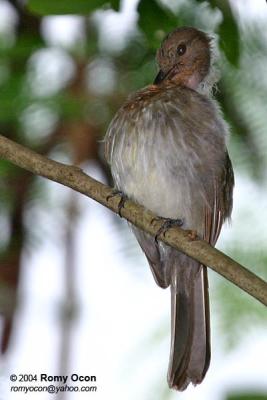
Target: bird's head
pixel 184 58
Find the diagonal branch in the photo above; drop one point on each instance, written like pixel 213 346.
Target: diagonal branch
pixel 76 179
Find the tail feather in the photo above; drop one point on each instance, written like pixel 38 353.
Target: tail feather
pixel 190 341
pixel 190 326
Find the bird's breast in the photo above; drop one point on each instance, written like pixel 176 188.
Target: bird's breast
pixel 160 151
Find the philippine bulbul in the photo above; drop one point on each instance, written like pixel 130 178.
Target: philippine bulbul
pixel 166 147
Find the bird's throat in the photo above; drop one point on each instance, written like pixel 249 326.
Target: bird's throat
pixel 180 77
pixel 193 81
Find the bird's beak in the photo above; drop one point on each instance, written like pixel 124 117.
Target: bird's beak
pixel 160 77
pixel 169 74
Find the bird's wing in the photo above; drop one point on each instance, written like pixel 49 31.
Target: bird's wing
pixel 222 203
pixel 160 270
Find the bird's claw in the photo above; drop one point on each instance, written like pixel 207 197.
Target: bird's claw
pixel 167 224
pixel 123 198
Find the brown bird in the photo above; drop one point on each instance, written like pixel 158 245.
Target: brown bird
pixel 167 151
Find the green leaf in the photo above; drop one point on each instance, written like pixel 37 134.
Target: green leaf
pixel 60 7
pixel 115 4
pixel 155 21
pixel 227 30
pixel 229 39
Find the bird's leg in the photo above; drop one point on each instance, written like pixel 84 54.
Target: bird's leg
pixel 167 224
pixel 123 198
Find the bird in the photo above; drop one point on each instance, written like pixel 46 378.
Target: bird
pixel 167 150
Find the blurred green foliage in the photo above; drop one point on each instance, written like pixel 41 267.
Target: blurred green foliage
pixel 155 19
pixel 227 30
pixel 63 7
pixel 247 396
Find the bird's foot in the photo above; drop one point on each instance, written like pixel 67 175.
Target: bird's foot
pixel 192 234
pixel 167 224
pixel 123 199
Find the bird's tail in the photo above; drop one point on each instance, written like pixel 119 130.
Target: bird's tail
pixel 190 325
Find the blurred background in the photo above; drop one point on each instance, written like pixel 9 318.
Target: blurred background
pixel 76 293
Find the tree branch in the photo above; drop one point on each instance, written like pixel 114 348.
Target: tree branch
pixel 76 179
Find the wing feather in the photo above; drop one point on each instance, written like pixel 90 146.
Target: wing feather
pixel 222 203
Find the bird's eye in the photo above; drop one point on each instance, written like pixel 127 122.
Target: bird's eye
pixel 181 49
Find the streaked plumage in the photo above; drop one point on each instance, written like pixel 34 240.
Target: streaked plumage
pixel 166 147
